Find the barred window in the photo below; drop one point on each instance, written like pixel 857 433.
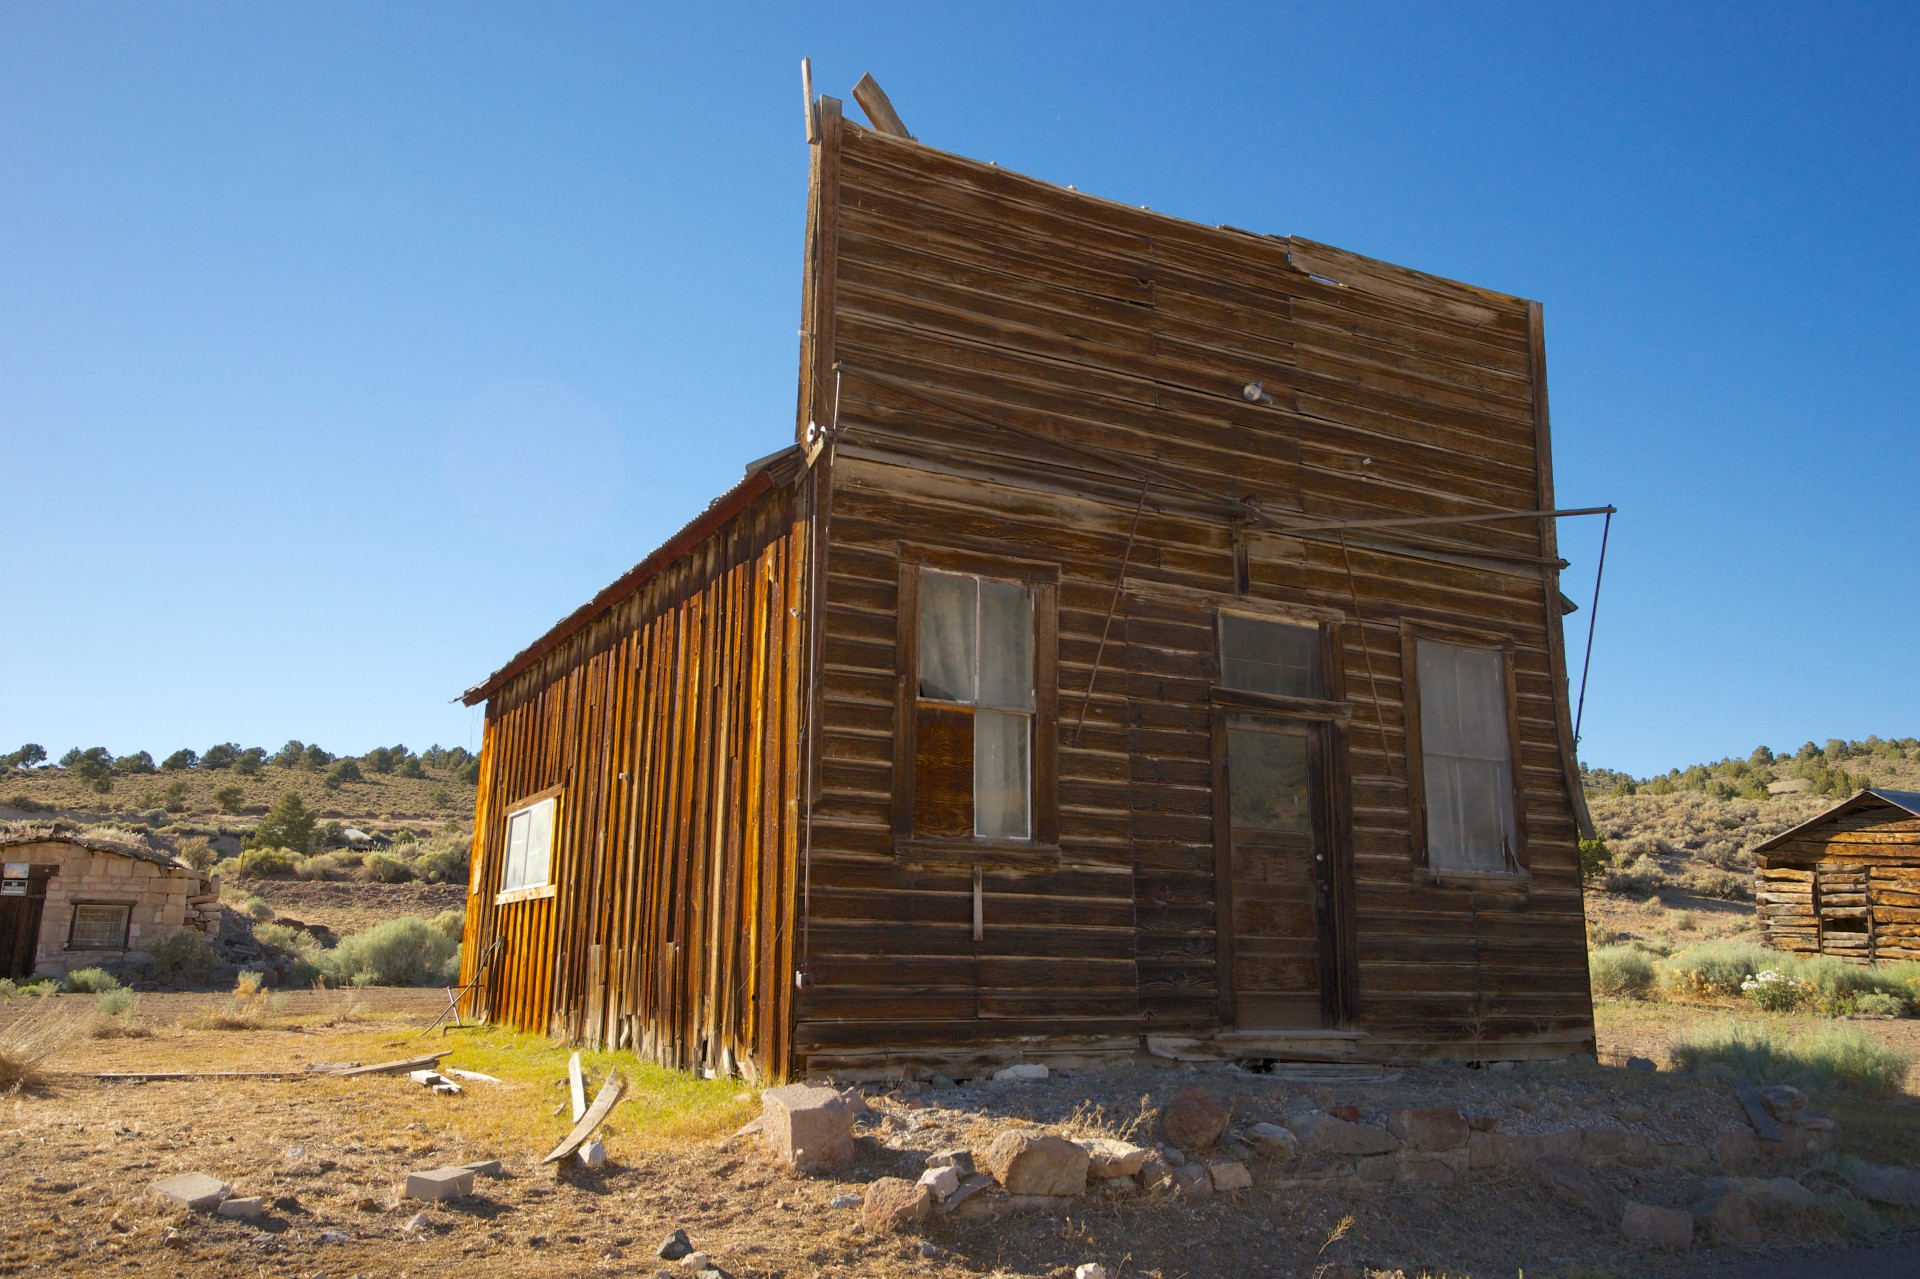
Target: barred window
pixel 99 927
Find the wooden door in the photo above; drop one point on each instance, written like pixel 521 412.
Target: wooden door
pixel 19 933
pixel 1274 873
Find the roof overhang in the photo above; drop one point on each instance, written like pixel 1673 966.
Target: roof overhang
pixel 1904 799
pixel 774 470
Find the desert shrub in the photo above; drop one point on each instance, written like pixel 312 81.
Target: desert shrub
pixel 1593 858
pixel 1682 921
pixel 249 982
pixel 1778 992
pixel 26 803
pixel 407 951
pixel 1876 1003
pixel 348 858
pixel 197 851
pixel 383 868
pixel 117 1002
pixel 318 866
pixel 181 951
pixel 403 836
pixel 1830 1057
pixel 287 824
pixel 1641 876
pixel 230 799
pixel 257 909
pixel 1620 972
pixel 285 939
pixel 442 863
pixel 1716 969
pixel 175 796
pixel 89 981
pixel 27 1044
pixel 264 863
pixel 1724 884
pixel 450 924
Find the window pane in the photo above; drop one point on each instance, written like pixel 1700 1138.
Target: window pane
pixel 516 872
pixel 1006 645
pixel 539 842
pixel 100 927
pixel 1466 757
pixel 1269 781
pixel 1001 775
pixel 1280 658
pixel 948 608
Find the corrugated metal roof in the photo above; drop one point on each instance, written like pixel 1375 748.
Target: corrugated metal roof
pixel 1906 799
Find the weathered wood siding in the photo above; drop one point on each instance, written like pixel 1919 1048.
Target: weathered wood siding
pixel 1848 887
pixel 671 723
pixel 955 296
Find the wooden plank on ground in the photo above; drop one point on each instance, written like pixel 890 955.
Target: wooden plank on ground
pixel 577 1087
pixel 610 1094
pixel 1763 1125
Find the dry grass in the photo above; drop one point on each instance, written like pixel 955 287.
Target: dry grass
pixel 29 1043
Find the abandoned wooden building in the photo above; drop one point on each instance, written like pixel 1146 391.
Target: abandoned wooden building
pixel 1847 882
pixel 1152 641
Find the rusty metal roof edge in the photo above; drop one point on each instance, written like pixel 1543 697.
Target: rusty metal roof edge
pixel 776 469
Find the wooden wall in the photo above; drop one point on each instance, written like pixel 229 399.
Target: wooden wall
pixel 1011 357
pixel 671 723
pixel 1848 887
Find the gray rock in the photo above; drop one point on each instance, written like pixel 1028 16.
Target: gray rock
pixel 942 1083
pixel 841 1202
pixel 242 1209
pixel 1155 1172
pixel 675 1246
pixel 1769 1194
pixel 1171 1156
pixel 695 1261
pixel 193 1190
pixel 806 1126
pixel 1032 1163
pixel 941 1182
pixel 1646 1065
pixel 1108 1157
pixel 486 1168
pixel 1332 1135
pixel 1653 1227
pixel 961 1161
pixel 1274 1142
pixel 970 1185
pixel 438 1184
pixel 1193 1180
pixel 1574 1185
pixel 1782 1099
pixel 1024 1072
pixel 592 1155
pixel 1877 1183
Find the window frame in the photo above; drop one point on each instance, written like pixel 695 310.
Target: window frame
pixel 1042 847
pixel 548 887
pixel 126 923
pixel 1411 635
pixel 1331 704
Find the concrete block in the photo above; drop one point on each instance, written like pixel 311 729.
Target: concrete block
pixel 592 1155
pixel 243 1209
pixel 192 1190
pixel 806 1126
pixel 486 1168
pixel 439 1184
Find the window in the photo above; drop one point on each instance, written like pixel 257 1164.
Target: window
pixel 973 763
pixel 1277 658
pixel 1466 758
pixel 529 846
pixel 99 926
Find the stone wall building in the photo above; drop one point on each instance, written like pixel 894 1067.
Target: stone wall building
pixel 74 899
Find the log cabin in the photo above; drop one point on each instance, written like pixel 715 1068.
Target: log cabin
pixel 1847 882
pixel 1151 642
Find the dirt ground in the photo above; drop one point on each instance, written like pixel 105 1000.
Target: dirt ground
pixel 330 1155
pixel 349 906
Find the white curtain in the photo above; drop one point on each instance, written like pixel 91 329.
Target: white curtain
pixel 1466 756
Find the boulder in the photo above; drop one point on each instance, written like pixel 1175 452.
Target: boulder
pixel 1274 1142
pixel 1645 1065
pixel 1329 1134
pixel 1782 1099
pixel 806 1126
pixel 1230 1176
pixel 1034 1163
pixel 1877 1183
pixel 1572 1184
pixel 1728 1216
pixel 961 1161
pixel 895 1204
pixel 1193 1120
pixel 1107 1157
pixel 1193 1180
pixel 1652 1227
pixel 1429 1128
pixel 1377 1167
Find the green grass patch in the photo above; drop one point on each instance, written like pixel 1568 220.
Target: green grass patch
pixel 1831 1057
pixel 662 1108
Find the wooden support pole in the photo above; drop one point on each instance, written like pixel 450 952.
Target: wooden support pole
pixel 979 905
pixel 873 100
pixel 806 92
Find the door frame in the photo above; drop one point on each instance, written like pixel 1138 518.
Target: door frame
pixel 1326 723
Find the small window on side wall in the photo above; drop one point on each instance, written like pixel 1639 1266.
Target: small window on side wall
pixel 529 846
pixel 1281 659
pixel 99 926
pixel 974 714
pixel 1466 758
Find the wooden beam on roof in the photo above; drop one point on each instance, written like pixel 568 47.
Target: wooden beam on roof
pixel 873 100
pixel 806 93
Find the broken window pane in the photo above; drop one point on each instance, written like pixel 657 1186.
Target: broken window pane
pixel 1279 658
pixel 949 605
pixel 1006 645
pixel 1000 775
pixel 1466 757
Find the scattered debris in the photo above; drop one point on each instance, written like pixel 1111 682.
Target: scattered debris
pixel 603 1104
pixel 471 1075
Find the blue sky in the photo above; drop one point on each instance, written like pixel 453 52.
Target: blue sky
pixel 345 347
